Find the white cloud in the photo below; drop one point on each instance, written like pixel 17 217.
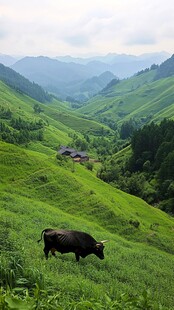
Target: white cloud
pixel 77 27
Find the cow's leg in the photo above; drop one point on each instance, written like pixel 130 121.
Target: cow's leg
pixel 77 257
pixel 46 251
pixel 53 250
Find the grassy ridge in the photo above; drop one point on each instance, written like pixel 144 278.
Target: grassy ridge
pixel 36 192
pixel 135 98
pixel 61 122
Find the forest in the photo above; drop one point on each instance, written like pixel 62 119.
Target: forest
pixel 148 171
pixel 19 130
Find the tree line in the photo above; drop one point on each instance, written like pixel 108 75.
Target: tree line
pixel 23 85
pixel 19 130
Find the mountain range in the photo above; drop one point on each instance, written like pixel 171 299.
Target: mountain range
pixel 65 76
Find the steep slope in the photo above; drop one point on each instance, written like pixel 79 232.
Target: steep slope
pixel 37 192
pixel 60 123
pixel 166 69
pixel 138 97
pixel 21 84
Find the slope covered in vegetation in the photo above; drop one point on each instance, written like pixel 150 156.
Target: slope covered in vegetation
pixel 36 192
pixel 145 169
pixel 137 98
pixel 59 125
pixel 23 85
pixel 166 69
pixel 39 190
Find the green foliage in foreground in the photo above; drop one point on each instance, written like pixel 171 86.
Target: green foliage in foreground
pixel 42 300
pixel 39 191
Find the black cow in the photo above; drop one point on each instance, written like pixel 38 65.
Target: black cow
pixel 65 241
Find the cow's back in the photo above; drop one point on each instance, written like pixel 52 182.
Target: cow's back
pixel 69 238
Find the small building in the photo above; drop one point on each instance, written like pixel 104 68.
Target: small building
pixel 75 155
pixel 79 156
pixel 66 151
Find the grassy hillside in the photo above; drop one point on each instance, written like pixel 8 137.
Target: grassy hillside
pixel 60 122
pixel 137 97
pixel 38 191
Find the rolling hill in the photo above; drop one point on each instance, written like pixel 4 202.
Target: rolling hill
pixel 61 121
pixel 139 97
pixel 38 190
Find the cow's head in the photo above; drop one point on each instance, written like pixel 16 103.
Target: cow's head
pixel 98 249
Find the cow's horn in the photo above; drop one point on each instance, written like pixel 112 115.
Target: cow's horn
pixel 104 241
pixel 98 245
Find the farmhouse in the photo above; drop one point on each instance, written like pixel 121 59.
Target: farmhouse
pixel 66 151
pixel 74 154
pixel 79 156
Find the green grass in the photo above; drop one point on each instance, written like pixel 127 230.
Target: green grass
pixel 134 98
pixel 61 122
pixel 36 192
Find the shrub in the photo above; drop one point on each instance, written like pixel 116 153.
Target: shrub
pixel 89 165
pixel 135 223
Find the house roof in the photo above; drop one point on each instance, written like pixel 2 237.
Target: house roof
pixel 64 149
pixel 73 153
pixel 80 154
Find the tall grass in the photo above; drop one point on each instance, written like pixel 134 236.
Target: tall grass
pixel 21 293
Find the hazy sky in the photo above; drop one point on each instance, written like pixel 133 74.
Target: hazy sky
pixel 86 27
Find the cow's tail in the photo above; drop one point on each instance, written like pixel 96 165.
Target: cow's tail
pixel 43 231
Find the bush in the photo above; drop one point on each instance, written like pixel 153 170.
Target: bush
pixel 89 165
pixel 135 223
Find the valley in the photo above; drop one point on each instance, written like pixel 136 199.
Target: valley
pixel 41 189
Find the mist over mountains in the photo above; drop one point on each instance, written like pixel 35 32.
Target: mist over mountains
pixel 114 58
pixel 8 60
pixel 78 79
